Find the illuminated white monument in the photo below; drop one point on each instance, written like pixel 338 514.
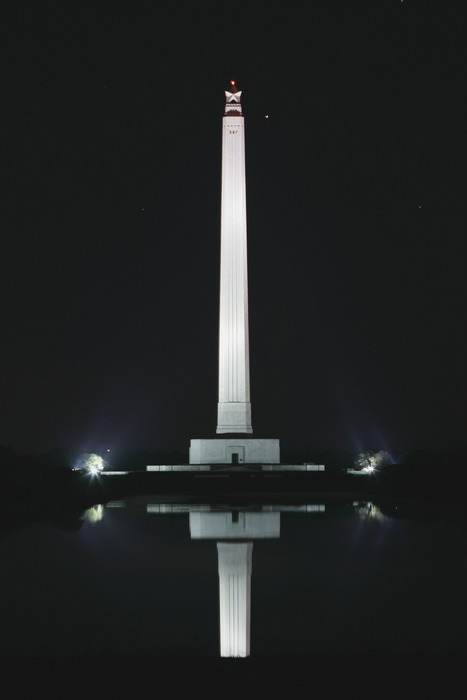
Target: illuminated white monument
pixel 234 407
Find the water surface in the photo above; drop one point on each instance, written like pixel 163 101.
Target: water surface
pixel 335 575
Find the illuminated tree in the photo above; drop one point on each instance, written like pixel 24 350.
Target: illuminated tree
pixel 91 462
pixel 370 461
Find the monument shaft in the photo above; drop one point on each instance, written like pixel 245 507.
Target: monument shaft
pixel 234 407
pixel 235 445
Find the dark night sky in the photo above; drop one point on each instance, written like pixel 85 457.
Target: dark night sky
pixel 356 222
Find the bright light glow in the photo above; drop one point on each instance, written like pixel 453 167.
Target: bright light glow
pixel 370 462
pixel 91 462
pixel 232 82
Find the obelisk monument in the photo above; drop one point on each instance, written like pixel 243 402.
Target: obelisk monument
pixel 234 407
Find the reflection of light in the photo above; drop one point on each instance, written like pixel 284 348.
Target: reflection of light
pixel 94 514
pixel 368 511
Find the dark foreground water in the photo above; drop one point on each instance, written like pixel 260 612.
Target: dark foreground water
pixel 139 578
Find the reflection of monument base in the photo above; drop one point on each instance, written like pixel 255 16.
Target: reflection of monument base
pixel 235 450
pixel 235 525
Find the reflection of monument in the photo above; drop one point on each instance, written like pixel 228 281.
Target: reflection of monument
pixel 233 530
pixel 234 407
pixel 234 568
pixel 235 597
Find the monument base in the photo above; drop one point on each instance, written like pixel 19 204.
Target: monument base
pixel 235 450
pixel 234 418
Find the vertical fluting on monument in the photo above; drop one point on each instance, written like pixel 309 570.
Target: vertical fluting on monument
pixel 235 598
pixel 234 407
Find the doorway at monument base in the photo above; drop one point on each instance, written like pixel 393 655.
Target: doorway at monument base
pixel 235 450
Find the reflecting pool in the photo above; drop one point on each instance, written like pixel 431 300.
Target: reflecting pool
pixel 144 577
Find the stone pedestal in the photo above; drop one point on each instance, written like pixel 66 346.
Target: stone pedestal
pixel 236 450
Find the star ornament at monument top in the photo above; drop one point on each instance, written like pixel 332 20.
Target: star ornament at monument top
pixel 233 96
